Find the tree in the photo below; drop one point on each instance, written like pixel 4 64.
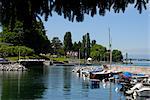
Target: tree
pixel 75 47
pixel 79 47
pixel 79 44
pixel 88 45
pixel 15 36
pixel 6 50
pixel 117 56
pixel 82 50
pixel 97 52
pixel 56 45
pixel 11 37
pixel 67 42
pixel 28 10
pixel 85 47
pixel 33 38
pixel 93 42
pixel 36 38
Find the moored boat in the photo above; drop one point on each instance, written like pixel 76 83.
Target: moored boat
pixel 143 92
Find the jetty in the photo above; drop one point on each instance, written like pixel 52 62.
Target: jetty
pixel 30 62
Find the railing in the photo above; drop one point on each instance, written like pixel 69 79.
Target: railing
pixel 28 60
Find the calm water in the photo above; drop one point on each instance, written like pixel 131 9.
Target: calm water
pixel 53 83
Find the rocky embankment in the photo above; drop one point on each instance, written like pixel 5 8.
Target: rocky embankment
pixel 12 67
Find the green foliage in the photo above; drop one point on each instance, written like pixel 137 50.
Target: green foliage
pixel 6 51
pixel 68 42
pixel 88 45
pixel 117 55
pixel 34 38
pixel 85 47
pixel 98 52
pixel 60 51
pixel 93 42
pixel 57 46
pixel 14 37
pixel 60 59
pixel 75 46
pixel 11 37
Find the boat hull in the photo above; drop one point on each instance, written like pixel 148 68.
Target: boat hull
pixel 145 93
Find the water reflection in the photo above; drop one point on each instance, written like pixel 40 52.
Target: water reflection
pixel 22 85
pixel 95 84
pixel 66 82
pixel 85 87
pixel 53 82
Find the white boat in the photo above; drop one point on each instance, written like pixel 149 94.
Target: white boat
pixel 139 90
pixel 135 87
pixel 143 92
pixel 146 82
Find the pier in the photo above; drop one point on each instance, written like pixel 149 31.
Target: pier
pixel 29 62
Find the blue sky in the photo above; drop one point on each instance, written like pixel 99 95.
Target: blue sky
pixel 130 31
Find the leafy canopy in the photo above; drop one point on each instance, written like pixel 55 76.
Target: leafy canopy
pixel 33 38
pixel 97 51
pixel 28 10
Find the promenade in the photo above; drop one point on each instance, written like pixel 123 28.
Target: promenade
pixel 132 69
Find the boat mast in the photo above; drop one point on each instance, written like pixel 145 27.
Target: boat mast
pixel 110 53
pixel 110 62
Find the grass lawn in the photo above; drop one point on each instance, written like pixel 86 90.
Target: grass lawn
pixel 60 59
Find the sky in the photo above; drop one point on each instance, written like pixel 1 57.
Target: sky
pixel 130 31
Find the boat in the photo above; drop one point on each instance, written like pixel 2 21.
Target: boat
pixel 135 87
pixel 143 92
pixel 106 73
pixel 139 89
pixel 4 61
pixel 100 75
pixel 146 82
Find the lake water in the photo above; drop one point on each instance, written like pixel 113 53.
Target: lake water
pixel 53 83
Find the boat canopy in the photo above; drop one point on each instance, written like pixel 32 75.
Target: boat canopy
pixel 127 74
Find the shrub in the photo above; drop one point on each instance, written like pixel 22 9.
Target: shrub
pixel 6 50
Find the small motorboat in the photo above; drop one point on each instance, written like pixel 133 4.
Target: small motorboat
pixel 143 92
pixel 135 87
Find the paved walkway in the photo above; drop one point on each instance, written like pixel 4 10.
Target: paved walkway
pixel 133 69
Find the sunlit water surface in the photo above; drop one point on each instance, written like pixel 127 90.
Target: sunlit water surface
pixel 53 83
